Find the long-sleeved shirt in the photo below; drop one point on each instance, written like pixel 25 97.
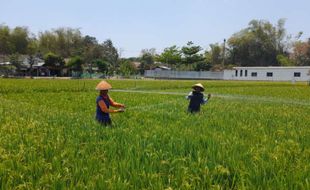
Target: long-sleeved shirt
pixel 190 95
pixel 196 99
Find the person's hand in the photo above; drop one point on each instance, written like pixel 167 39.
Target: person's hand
pixel 123 106
pixel 121 110
pixel 209 96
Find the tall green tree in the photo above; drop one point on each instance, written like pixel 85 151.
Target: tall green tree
pixel 258 44
pixel 47 42
pixel 110 53
pixel 32 49
pixel 5 44
pixel 65 42
pixel 147 59
pixel 191 54
pixel 171 56
pixel 216 56
pixel 19 39
pixel 127 68
pixel 148 56
pixel 54 62
pixel 92 52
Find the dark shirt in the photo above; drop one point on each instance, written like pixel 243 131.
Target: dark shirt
pixel 196 99
pixel 100 115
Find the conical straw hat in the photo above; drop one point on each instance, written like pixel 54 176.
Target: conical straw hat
pixel 199 85
pixel 103 85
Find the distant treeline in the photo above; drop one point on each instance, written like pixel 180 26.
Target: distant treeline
pixel 260 44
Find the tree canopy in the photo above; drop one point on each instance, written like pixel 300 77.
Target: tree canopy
pixel 261 43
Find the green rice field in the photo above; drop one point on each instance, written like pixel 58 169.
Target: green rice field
pixel 250 135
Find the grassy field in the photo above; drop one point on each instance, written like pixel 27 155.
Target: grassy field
pixel 251 135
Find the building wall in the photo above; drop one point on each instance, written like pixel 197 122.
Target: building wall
pixel 278 74
pixel 168 74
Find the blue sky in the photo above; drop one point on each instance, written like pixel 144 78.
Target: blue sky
pixel 133 25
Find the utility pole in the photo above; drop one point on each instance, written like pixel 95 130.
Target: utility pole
pixel 224 48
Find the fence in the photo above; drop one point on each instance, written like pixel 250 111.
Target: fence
pixel 164 74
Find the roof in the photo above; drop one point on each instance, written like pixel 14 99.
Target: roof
pixel 5 63
pixel 136 63
pixel 35 59
pixel 39 64
pixel 274 67
pixel 163 67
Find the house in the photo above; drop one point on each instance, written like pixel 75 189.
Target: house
pixel 6 69
pixel 38 67
pixel 268 73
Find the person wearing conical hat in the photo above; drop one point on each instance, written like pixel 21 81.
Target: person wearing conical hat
pixel 103 103
pixel 196 98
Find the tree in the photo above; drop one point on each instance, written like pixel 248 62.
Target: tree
pixel 216 56
pixel 32 49
pixel 171 56
pixel 151 51
pixel 102 65
pixel 92 51
pixel 31 61
pixel 191 54
pixel 127 68
pixel 258 44
pixel 110 53
pixel 301 53
pixel 47 42
pixel 147 59
pixel 202 66
pixel 284 60
pixel 65 42
pixel 76 65
pixel 280 35
pixel 14 60
pixel 54 62
pixel 19 39
pixel 5 44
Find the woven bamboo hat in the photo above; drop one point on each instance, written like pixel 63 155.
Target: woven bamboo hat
pixel 103 85
pixel 199 85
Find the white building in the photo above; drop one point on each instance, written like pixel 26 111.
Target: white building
pixel 268 73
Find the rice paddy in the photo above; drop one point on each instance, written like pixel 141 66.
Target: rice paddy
pixel 251 135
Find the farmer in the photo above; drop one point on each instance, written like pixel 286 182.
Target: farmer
pixel 196 98
pixel 104 102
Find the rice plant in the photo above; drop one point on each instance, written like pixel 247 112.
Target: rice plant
pixel 251 135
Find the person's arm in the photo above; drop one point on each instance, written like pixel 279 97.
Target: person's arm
pixel 189 96
pixel 205 100
pixel 115 104
pixel 104 108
